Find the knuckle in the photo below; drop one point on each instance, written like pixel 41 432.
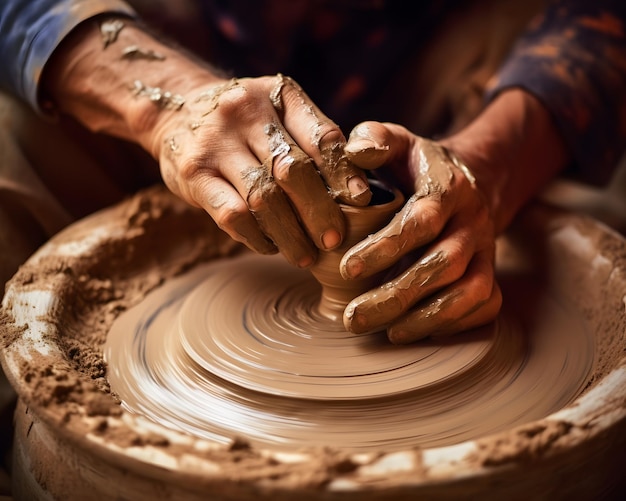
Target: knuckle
pixel 256 200
pixel 430 221
pixel 283 168
pixel 426 214
pixel 235 104
pixel 483 288
pixel 403 300
pixel 231 215
pixel 456 260
pixel 261 196
pixel 329 134
pixel 330 143
pixel 290 91
pixel 190 168
pixel 295 168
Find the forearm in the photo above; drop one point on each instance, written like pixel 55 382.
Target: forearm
pixel 32 30
pixel 513 148
pixel 111 85
pixel 572 59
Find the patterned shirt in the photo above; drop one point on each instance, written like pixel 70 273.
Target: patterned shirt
pixel 572 57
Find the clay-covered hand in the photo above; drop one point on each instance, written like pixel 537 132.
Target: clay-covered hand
pixel 446 230
pixel 255 153
pixel 264 162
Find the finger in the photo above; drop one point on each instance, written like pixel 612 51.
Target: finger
pixel 440 266
pixel 251 207
pixel 473 301
pixel 230 212
pixel 440 190
pixel 419 222
pixel 274 213
pixel 294 171
pixel 322 140
pixel 387 146
pixel 272 210
pixel 368 146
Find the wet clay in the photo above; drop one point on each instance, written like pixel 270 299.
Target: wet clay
pixel 337 291
pixel 110 30
pixel 253 347
pixel 553 268
pixel 240 347
pixel 211 355
pixel 343 184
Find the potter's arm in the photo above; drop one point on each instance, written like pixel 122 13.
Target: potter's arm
pixel 572 59
pixel 549 110
pixel 247 151
pixel 514 148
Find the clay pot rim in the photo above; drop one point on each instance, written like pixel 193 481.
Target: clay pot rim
pixel 396 200
pixel 42 312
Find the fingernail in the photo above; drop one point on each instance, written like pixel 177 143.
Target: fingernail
pixel 305 262
pixel 398 336
pixel 366 154
pixel 357 186
pixel 354 266
pixel 331 239
pixel 357 322
pixel 359 144
pixel 402 336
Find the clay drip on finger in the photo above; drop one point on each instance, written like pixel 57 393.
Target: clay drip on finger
pixel 361 221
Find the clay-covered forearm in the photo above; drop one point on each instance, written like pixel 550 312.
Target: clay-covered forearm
pixel 573 59
pixel 513 148
pixel 115 77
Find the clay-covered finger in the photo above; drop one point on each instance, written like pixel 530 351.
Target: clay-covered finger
pixel 368 145
pixel 230 212
pixel 321 139
pixel 419 222
pixel 438 267
pixel 376 308
pixel 246 202
pixel 310 215
pixel 473 301
pixel 276 218
pixel 294 171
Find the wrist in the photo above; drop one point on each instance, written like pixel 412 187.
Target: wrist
pixel 513 148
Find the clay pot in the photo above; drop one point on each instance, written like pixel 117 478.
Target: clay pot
pixel 72 441
pixel 361 221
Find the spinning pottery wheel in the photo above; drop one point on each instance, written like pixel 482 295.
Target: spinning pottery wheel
pixel 254 347
pixel 534 404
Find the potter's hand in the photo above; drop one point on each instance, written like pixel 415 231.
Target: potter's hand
pixel 264 162
pixel 445 225
pixel 255 153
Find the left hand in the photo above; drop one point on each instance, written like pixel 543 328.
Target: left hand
pixel 445 227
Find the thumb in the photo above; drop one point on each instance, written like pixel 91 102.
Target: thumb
pixel 368 145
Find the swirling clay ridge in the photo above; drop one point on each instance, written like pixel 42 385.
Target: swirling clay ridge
pixel 237 347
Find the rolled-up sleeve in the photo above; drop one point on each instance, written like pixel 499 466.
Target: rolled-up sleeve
pixel 573 58
pixel 32 29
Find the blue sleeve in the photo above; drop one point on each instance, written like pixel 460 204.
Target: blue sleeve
pixel 31 30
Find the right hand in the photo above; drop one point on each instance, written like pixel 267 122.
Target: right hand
pixel 263 161
pixel 445 232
